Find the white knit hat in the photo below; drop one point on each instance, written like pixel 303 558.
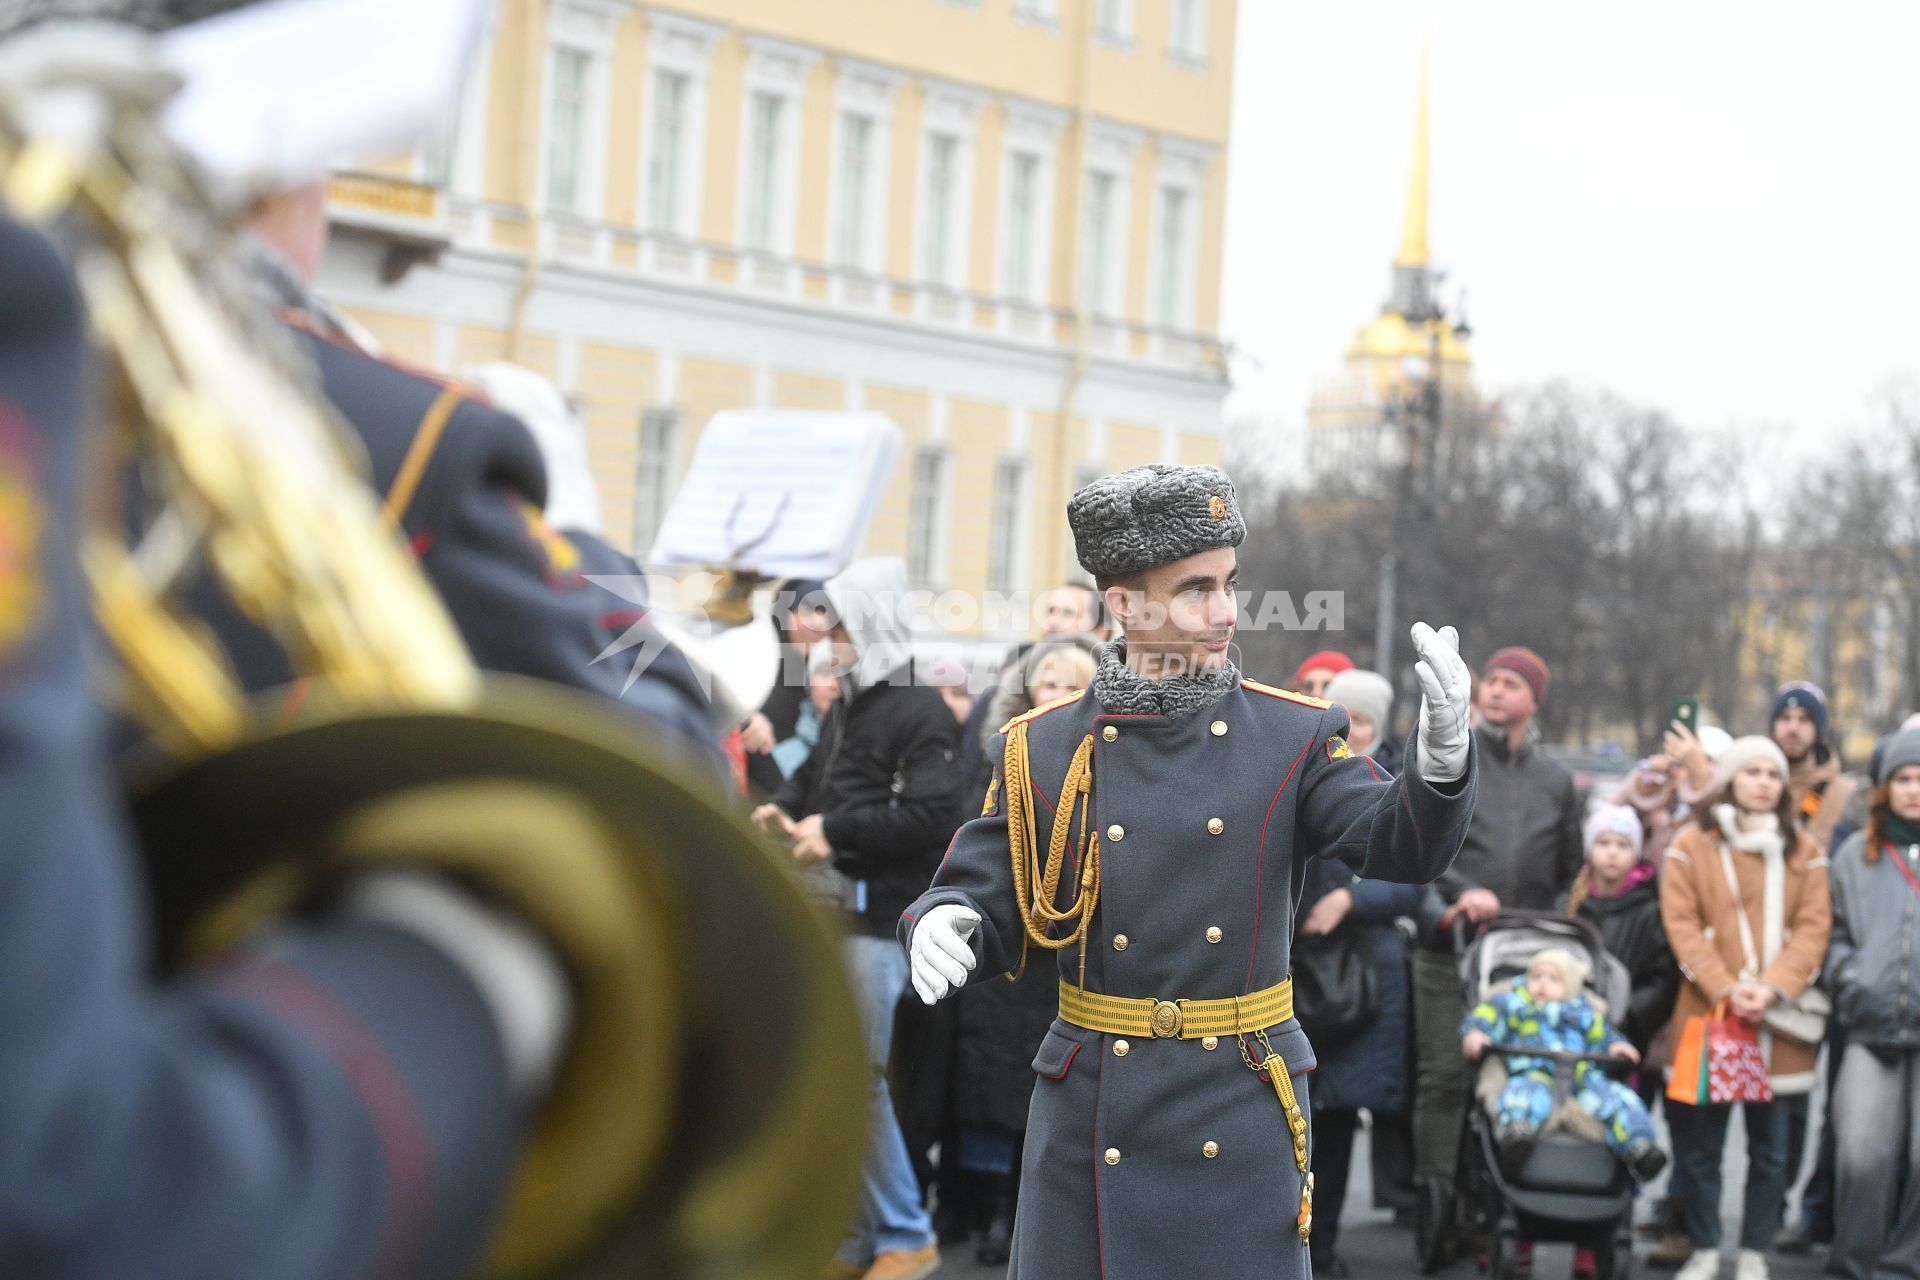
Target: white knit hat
pixel 1743 751
pixel 1573 970
pixel 1365 693
pixel 1615 819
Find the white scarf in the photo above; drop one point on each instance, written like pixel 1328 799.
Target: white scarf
pixel 1758 834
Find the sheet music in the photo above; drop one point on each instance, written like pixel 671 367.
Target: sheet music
pixel 789 493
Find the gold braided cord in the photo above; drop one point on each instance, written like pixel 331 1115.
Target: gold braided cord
pixel 1036 885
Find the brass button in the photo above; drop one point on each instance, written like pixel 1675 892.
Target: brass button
pixel 1215 826
pixel 1120 1048
pixel 1119 942
pixel 1209 1042
pixel 1116 833
pixel 1109 733
pixel 1113 1155
pixel 1214 934
pixel 1219 728
pixel 1210 1149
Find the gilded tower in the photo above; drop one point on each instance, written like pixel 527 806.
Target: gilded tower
pixel 1359 418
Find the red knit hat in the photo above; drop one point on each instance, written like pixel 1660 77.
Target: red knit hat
pixel 1325 660
pixel 1526 664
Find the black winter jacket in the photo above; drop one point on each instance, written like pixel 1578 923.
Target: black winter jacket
pixel 883 774
pixel 1630 926
pixel 1524 841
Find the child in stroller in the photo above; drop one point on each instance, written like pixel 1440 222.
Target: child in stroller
pixel 1570 1187
pixel 1550 1011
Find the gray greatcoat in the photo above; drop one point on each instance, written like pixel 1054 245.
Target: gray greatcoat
pixel 1116 1182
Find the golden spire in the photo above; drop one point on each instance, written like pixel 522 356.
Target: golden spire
pixel 1413 237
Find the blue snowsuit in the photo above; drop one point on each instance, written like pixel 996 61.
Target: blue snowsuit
pixel 1514 1020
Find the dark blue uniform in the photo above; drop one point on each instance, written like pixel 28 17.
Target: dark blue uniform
pixel 338 1109
pixel 466 486
pixel 1147 1158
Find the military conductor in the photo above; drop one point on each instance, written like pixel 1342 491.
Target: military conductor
pixel 1153 832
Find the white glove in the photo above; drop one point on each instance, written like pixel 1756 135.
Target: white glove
pixel 939 954
pixel 515 972
pixel 1447 690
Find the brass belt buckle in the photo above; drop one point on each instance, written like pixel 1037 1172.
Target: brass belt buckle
pixel 1166 1019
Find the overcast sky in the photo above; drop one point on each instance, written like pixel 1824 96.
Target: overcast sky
pixel 1707 205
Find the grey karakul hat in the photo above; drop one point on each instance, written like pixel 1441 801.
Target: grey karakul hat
pixel 1151 516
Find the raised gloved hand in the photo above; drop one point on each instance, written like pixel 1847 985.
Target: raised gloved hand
pixel 939 954
pixel 1446 693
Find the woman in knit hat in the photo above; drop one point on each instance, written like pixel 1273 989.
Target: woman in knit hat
pixel 1873 970
pixel 1367 697
pixel 1312 675
pixel 1744 899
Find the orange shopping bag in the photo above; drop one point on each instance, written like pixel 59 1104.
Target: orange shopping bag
pixel 1719 1060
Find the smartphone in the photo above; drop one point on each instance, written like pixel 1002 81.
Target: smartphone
pixel 1687 712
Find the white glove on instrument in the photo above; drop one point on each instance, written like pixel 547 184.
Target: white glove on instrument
pixel 939 954
pixel 1447 691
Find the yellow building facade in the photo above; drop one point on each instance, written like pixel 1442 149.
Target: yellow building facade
pixel 997 221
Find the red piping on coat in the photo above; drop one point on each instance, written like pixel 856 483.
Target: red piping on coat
pixel 405 1146
pixel 1261 866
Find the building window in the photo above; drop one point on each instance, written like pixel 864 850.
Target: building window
pixel 927 515
pixel 766 146
pixel 939 261
pixel 1037 10
pixel 567 130
pixel 1009 505
pixel 1114 20
pixel 654 474
pixel 1187 29
pixel 667 151
pixel 1173 281
pixel 1021 274
pixel 1097 236
pixel 851 235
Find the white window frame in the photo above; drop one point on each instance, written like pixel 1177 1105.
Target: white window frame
pixel 1111 148
pixel 1113 22
pixel 1031 130
pixel 931 517
pixel 952 112
pixel 864 91
pixel 675 424
pixel 1015 578
pixel 684 46
pixel 1192 54
pixel 778 68
pixel 465 160
pixel 587 27
pixel 1037 13
pixel 1183 167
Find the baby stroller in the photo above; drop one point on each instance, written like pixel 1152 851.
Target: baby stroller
pixel 1572 1189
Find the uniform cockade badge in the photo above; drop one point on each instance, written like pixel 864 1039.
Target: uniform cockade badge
pixel 1217 507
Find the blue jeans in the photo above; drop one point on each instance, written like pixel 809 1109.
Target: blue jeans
pixel 1699 1142
pixel 892 1215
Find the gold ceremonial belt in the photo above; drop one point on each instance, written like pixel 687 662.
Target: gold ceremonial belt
pixel 1176 1019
